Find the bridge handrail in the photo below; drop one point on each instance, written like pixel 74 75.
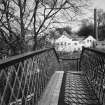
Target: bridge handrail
pixel 15 59
pixel 23 78
pixel 92 63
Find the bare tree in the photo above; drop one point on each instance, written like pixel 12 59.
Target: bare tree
pixel 12 25
pixel 18 16
pixel 45 11
pixel 101 17
pixel 5 26
pixel 101 24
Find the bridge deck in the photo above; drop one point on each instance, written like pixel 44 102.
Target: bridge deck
pixel 51 94
pixel 76 90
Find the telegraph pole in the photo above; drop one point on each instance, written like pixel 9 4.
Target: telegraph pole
pixel 95 24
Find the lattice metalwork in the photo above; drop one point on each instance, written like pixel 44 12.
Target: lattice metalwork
pixel 93 64
pixel 70 64
pixel 76 90
pixel 24 78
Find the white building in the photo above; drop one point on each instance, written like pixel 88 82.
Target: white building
pixel 67 44
pixel 76 46
pixel 88 42
pixel 63 43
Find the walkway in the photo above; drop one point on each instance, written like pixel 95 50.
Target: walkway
pixel 76 90
pixel 51 94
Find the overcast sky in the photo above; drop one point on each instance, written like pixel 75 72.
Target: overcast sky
pixel 99 4
pixel 95 4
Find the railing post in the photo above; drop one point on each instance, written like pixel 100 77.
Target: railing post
pixel 77 64
pixel 25 76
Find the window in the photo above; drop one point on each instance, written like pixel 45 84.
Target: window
pixel 58 44
pixel 88 41
pixel 79 49
pixel 75 43
pixel 103 44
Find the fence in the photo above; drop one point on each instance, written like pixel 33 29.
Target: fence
pixel 68 61
pixel 23 78
pixel 70 64
pixel 93 64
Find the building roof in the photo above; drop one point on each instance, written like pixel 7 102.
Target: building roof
pixel 63 38
pixel 90 37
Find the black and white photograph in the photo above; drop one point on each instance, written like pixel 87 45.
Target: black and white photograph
pixel 52 52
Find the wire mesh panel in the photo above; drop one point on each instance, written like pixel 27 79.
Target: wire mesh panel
pixel 24 78
pixel 93 64
pixel 76 90
pixel 70 64
pixel 69 61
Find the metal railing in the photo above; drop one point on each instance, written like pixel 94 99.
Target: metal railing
pixel 23 78
pixel 92 63
pixel 69 61
pixel 69 64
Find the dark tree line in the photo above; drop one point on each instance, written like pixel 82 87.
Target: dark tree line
pixel 19 16
pixel 67 29
pixel 88 28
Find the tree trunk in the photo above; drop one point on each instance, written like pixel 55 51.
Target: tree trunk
pixel 22 26
pixel 35 42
